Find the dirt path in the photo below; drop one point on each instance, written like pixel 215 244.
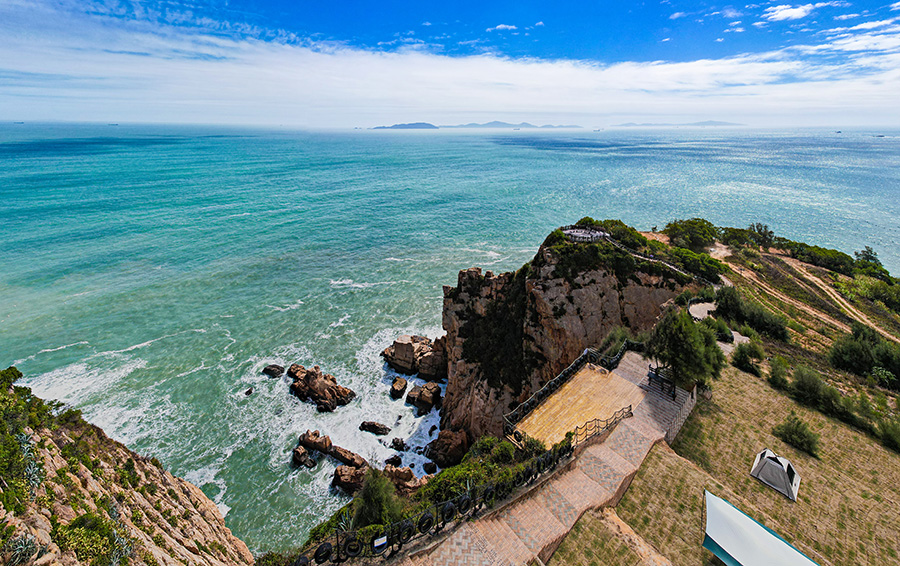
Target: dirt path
pixel 799 305
pixel 851 311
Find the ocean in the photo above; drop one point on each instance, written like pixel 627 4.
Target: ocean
pixel 148 273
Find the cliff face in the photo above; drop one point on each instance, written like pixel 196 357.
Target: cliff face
pixel 96 502
pixel 508 334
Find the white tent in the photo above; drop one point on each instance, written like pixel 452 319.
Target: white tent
pixel 776 472
pixel 738 540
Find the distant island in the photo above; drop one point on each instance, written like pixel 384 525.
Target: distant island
pixel 712 123
pixel 411 126
pixel 495 124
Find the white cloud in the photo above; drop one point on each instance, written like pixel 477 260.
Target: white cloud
pixel 787 12
pixel 677 15
pixel 666 39
pixel 873 25
pixel 426 24
pixel 846 17
pixel 737 23
pixel 501 27
pixel 720 39
pixel 61 67
pixel 760 24
pixel 895 6
pixel 539 24
pixel 731 13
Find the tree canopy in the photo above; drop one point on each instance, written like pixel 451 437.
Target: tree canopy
pixel 696 234
pixel 689 349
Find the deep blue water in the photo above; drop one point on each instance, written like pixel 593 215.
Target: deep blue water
pixel 147 274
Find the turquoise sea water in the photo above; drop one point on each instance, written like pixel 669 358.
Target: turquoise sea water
pixel 148 274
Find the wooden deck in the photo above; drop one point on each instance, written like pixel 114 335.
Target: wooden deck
pixel 592 393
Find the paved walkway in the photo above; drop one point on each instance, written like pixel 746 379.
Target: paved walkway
pixel 534 526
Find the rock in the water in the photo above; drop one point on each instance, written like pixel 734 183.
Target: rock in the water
pixel 377 429
pixel 448 448
pixel 417 354
pixel 320 388
pixel 425 397
pixel 398 388
pixel 432 429
pixel 348 478
pixel 300 457
pixel 313 441
pixel 349 458
pixel 403 479
pixel 273 370
pixel 399 445
pixel 429 467
pixel 394 460
pixel 249 392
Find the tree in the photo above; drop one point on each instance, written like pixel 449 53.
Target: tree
pixel 696 234
pixel 689 349
pixel 762 235
pixel 378 501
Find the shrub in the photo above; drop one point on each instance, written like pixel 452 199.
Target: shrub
pixel 503 453
pixel 695 233
pixel 808 386
pixel 797 433
pixel 699 264
pixel 747 356
pixel 890 434
pixel 778 374
pixel 689 349
pixel 731 306
pixel 377 502
pixel 720 327
pixel 684 298
pixel 482 447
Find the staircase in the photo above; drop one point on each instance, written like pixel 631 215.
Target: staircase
pixel 534 526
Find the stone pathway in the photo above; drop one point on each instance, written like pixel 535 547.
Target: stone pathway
pixel 534 526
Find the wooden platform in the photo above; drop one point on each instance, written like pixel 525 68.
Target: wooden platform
pixel 592 393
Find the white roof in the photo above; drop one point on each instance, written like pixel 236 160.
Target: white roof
pixel 744 541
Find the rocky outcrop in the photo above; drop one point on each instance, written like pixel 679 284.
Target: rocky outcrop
pixel 168 520
pixel 300 457
pixel 398 388
pixel 448 448
pixel 394 460
pixel 348 478
pixel 375 428
pixel 347 457
pixel 429 467
pixel 273 370
pixel 404 479
pixel 508 334
pixel 424 397
pixel 312 440
pixel 417 354
pixel 399 445
pixel 320 388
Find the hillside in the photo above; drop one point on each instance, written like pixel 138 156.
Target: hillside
pixel 72 496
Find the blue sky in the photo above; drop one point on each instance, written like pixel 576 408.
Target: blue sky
pixel 355 63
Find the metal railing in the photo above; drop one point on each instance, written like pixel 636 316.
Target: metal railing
pixel 596 427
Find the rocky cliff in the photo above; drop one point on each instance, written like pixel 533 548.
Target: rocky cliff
pixel 83 498
pixel 508 334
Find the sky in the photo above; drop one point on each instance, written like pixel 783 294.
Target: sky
pixel 354 63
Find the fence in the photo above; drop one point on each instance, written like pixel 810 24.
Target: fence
pixel 595 427
pixel 683 413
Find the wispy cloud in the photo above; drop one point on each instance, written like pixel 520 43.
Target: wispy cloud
pixel 895 6
pixel 539 24
pixel 677 15
pixel 790 12
pixel 501 27
pixel 79 67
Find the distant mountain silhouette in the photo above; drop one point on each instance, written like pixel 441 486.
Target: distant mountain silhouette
pixel 412 126
pixel 658 125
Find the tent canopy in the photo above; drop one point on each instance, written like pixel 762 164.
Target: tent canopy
pixel 776 472
pixel 738 540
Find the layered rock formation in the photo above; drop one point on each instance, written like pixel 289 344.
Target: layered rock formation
pixel 424 397
pixel 320 388
pixel 508 334
pixel 417 354
pixel 160 518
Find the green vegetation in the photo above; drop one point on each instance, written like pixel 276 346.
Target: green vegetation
pixel 747 356
pixel 865 352
pixel 694 234
pixel 377 502
pixel 98 540
pixel 797 433
pixel 689 349
pixel 620 232
pixel 732 307
pixel 778 374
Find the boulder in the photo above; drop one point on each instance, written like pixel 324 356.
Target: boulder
pixel 377 429
pixel 348 478
pixel 403 479
pixel 300 457
pixel 273 370
pixel 398 388
pixel 424 397
pixel 349 458
pixel 312 441
pixel 399 445
pixel 448 448
pixel 429 467
pixel 394 460
pixel 320 388
pixel 413 396
pixel 417 354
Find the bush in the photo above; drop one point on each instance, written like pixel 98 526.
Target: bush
pixel 747 356
pixel 797 433
pixel 695 234
pixel 377 502
pixel 689 349
pixel 778 374
pixel 731 306
pixel 890 434
pixel 808 386
pixel 503 453
pixel 699 264
pixel 720 327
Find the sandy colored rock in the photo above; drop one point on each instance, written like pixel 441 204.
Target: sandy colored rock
pixel 417 354
pixel 404 479
pixel 398 388
pixel 320 388
pixel 348 478
pixel 312 440
pixel 348 458
pixel 448 448
pixel 375 428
